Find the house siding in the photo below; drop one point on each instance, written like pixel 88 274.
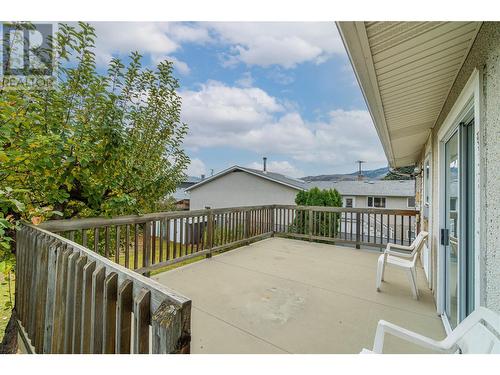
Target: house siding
pixel 485 57
pixel 240 189
pixel 396 203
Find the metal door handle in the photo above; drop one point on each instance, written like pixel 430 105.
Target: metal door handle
pixel 445 237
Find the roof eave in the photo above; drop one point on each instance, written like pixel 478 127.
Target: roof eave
pixel 233 168
pixel 355 41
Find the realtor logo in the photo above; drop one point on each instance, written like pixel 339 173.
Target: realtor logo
pixel 27 58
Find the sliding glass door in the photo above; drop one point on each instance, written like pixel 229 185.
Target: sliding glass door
pixel 450 235
pixel 457 235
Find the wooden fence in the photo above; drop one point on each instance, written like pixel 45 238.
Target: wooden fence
pixel 70 299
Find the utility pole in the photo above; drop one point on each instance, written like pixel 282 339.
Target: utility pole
pixel 360 170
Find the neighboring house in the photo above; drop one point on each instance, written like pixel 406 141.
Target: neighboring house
pixel 391 194
pixel 432 89
pixel 180 196
pixel 181 199
pixel 239 186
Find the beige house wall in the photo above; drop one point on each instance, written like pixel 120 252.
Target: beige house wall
pixel 397 203
pixel 485 58
pixel 240 189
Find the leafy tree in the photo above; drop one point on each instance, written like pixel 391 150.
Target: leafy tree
pixel 94 144
pixel 317 197
pixel 400 174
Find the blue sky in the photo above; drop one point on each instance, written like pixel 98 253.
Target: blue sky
pixel 281 90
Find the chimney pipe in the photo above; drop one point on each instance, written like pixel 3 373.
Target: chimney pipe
pixel 264 160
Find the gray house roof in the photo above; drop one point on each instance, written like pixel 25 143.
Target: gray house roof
pixel 387 188
pixel 271 176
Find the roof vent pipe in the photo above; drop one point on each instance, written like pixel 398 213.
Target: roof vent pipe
pixel 202 177
pixel 264 162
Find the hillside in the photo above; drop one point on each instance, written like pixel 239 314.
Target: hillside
pixel 374 174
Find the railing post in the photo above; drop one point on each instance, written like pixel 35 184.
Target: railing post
pixel 247 225
pixel 210 229
pixel 171 328
pixel 273 219
pixel 358 230
pixel 146 262
pixel 310 224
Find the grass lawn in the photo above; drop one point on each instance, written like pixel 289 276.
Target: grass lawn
pixel 183 250
pixel 4 299
pixel 179 249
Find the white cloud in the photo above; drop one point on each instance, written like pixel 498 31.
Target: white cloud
pixel 217 109
pixel 125 37
pixel 181 66
pixel 193 33
pixel 265 44
pixel 159 39
pixel 250 119
pixel 196 168
pixel 279 166
pixel 278 43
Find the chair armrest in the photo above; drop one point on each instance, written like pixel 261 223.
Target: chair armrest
pixel 408 254
pixel 384 327
pixel 401 247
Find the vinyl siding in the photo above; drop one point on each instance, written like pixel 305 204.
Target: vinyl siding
pixel 240 189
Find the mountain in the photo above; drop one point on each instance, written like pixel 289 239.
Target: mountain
pixel 374 174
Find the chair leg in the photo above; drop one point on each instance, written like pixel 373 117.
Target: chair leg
pixel 380 271
pixel 383 271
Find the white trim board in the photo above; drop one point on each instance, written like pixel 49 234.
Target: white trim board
pixel 468 99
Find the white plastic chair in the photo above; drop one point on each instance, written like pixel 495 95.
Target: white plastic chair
pixel 404 257
pixel 479 333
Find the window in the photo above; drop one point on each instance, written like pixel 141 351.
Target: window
pixel 411 202
pixel 378 202
pixel 348 202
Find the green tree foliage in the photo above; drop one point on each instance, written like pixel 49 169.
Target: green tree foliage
pixel 325 224
pixel 318 197
pixel 400 174
pixel 95 144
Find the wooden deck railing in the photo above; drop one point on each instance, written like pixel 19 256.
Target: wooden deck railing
pixel 79 285
pixel 70 299
pixel 359 226
pixel 153 241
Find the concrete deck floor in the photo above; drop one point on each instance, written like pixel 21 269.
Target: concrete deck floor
pixel 290 296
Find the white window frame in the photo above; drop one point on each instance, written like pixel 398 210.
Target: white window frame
pixel 373 201
pixel 470 97
pixel 427 205
pixel 353 201
pixel 427 182
pixel 408 203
